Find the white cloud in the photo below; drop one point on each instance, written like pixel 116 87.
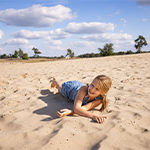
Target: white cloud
pixel 143 2
pixel 124 46
pixel 145 20
pixel 36 16
pixel 115 13
pixel 124 21
pixel 1 49
pixel 82 43
pixel 53 50
pixel 53 42
pixel 87 28
pixel 107 37
pixel 126 42
pixel 18 41
pixel 1 34
pixel 53 34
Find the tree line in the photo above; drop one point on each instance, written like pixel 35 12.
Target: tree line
pixel 21 54
pixel 107 50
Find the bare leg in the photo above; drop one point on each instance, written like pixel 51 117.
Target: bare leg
pixel 56 84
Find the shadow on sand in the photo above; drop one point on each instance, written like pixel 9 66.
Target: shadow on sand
pixel 55 102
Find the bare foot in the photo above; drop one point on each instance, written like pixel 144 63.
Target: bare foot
pixel 53 83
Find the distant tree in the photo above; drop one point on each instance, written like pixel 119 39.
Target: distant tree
pixel 36 52
pixel 4 56
pixel 139 42
pixel 20 53
pixel 62 56
pixel 88 55
pixel 97 55
pixel 129 52
pixel 15 55
pixel 25 56
pixel 92 55
pixel 121 53
pixel 107 50
pixel 70 53
pixel 10 55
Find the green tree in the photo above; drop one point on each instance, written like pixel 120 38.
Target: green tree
pixel 15 54
pixel 20 53
pixel 107 50
pixel 139 42
pixel 25 56
pixel 36 52
pixel 62 56
pixel 4 56
pixel 70 53
pixel 129 52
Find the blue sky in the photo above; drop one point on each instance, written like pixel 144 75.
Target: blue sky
pixel 53 26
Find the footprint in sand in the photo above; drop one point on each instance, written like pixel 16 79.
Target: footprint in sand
pixel 130 79
pixel 9 123
pixel 121 88
pixel 137 115
pixel 16 91
pixel 2 98
pixel 143 130
pixel 83 77
pixel 24 75
pixel 148 78
pixel 117 98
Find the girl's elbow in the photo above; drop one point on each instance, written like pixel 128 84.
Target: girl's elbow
pixel 75 109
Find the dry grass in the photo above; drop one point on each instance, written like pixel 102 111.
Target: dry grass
pixel 33 60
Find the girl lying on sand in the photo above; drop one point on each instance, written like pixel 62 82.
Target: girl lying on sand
pixel 85 97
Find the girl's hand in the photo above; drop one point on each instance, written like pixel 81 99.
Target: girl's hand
pixel 64 112
pixel 99 119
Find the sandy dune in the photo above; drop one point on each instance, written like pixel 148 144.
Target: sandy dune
pixel 28 106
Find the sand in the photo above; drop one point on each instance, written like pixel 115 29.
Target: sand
pixel 28 106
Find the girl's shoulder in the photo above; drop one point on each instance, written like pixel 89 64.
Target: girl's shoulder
pixel 83 89
pixel 81 93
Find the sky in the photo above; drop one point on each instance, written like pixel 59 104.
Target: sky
pixel 53 26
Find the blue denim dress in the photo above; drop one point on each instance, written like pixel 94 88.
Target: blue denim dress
pixel 70 91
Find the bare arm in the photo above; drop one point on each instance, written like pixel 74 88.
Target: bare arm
pixel 91 105
pixel 83 110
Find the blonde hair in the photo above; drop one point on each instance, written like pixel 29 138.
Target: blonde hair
pixel 105 84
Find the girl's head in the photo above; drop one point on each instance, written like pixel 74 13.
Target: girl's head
pixel 104 83
pixel 100 86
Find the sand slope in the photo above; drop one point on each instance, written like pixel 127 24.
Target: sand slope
pixel 28 107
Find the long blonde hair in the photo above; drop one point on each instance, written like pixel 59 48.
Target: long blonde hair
pixel 105 84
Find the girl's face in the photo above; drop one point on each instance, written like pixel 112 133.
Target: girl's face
pixel 94 89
